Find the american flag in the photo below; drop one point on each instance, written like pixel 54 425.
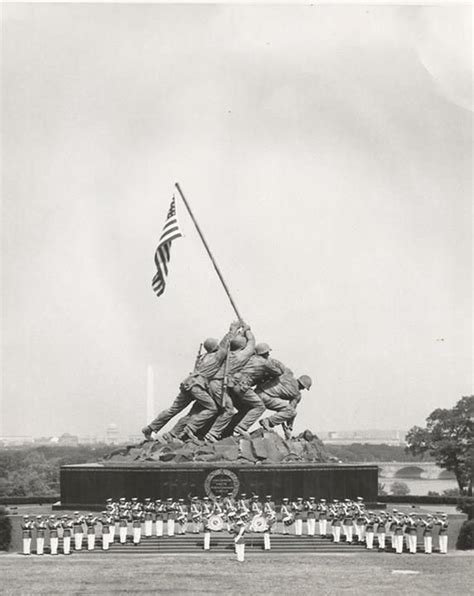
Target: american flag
pixel 170 232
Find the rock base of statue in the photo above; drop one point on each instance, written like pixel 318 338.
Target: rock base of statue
pixel 263 464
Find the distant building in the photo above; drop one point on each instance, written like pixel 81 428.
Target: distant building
pixel 15 440
pixel 69 440
pixel 372 437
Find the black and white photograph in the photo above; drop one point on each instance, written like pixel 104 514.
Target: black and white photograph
pixel 237 298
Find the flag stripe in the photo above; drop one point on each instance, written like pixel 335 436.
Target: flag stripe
pixel 169 233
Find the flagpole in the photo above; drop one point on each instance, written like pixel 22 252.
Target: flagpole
pixel 208 251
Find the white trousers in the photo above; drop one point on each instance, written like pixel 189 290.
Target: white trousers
pixel 39 546
pixel 348 530
pixel 323 523
pixel 112 534
pixel 336 531
pixel 393 540
pixel 240 550
pixel 53 543
pixel 362 533
pixel 26 546
pixel 381 539
pixel 170 527
pixel 207 540
pixel 90 541
pixel 105 541
pixel 428 544
pixel 357 530
pixel 398 544
pixel 266 541
pixel 298 527
pixel 412 544
pixel 123 534
pixel 311 526
pixel 196 527
pixel 148 527
pixel 78 541
pixel 137 534
pixel 369 539
pixel 443 544
pixel 66 545
pixel 159 527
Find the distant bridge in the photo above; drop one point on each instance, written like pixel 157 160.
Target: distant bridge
pixel 422 470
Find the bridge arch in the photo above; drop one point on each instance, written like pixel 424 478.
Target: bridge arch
pixel 409 472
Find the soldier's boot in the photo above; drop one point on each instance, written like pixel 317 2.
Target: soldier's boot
pixel 188 435
pixel 241 434
pixel 146 430
pixel 265 424
pixel 210 438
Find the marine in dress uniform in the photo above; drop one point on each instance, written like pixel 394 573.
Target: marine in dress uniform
pixel 182 517
pixel 137 518
pixel 287 516
pixel 282 395
pixel 360 519
pixel 124 518
pixel 149 512
pixel 270 518
pixel 195 510
pixel 159 513
pixel 412 532
pixel 112 510
pixel 380 526
pixel 106 520
pixel 398 533
pixel 311 508
pixel 90 522
pixel 53 526
pixel 239 529
pixel 256 511
pixel 67 534
pixel 269 512
pixel 336 522
pixel 40 526
pixel 206 514
pixel 78 530
pixel 27 527
pixel 230 510
pixel 171 507
pixel 369 525
pixel 195 388
pixel 323 515
pixel 348 521
pixel 392 523
pixel 297 508
pixel 442 523
pixel 427 525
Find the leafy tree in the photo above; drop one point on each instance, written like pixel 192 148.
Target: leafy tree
pixel 448 437
pixel 400 489
pixel 381 489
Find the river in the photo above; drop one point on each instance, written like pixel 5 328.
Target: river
pixel 420 486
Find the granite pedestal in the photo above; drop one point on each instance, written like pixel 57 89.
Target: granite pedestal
pixel 87 486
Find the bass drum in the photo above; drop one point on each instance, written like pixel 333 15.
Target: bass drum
pixel 258 524
pixel 215 523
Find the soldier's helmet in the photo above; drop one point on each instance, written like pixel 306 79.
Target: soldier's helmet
pixel 237 343
pixel 262 348
pixel 210 344
pixel 306 381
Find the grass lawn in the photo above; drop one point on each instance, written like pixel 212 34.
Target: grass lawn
pixel 356 573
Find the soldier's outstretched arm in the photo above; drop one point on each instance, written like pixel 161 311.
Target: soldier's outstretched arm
pixel 250 347
pixel 233 331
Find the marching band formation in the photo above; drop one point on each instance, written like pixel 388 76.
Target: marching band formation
pixel 340 521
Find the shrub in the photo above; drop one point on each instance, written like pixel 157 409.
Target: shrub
pixel 451 492
pixel 400 489
pixel 466 536
pixel 5 529
pixel 466 505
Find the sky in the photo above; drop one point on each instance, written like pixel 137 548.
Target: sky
pixel 326 152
